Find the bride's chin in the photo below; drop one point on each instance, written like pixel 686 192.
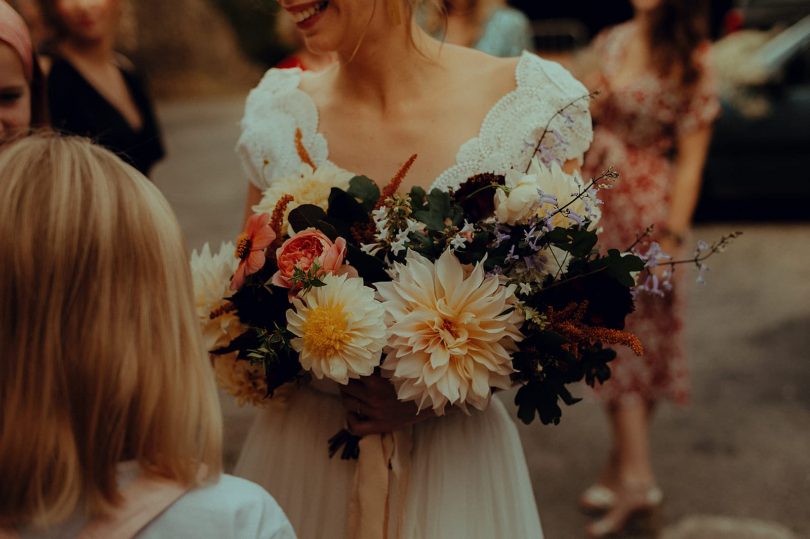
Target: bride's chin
pixel 318 44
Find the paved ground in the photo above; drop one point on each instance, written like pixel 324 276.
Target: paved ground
pixel 736 464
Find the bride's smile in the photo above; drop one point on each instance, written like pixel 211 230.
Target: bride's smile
pixel 308 14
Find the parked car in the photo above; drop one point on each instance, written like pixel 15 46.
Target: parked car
pixel 765 14
pixel 759 161
pixel 592 16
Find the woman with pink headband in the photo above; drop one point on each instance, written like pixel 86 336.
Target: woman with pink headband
pixel 22 92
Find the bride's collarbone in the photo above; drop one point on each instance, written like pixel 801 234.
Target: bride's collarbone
pixel 434 124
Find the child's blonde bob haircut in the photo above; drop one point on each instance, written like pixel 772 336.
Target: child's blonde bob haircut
pixel 102 359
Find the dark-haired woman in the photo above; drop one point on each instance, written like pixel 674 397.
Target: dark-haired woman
pixel 92 90
pixel 653 123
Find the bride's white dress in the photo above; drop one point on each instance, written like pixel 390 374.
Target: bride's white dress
pixel 468 477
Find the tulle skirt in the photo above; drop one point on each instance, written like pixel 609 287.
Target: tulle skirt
pixel 468 477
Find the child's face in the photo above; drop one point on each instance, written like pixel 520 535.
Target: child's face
pixel 15 94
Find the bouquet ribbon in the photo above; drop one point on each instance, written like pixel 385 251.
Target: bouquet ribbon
pixel 380 485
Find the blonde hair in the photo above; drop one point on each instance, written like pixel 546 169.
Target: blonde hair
pixel 102 354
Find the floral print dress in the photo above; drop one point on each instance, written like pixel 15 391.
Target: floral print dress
pixel 637 127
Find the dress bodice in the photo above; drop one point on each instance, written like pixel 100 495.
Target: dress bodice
pixel 507 137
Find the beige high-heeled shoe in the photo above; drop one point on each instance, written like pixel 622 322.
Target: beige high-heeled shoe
pixel 597 499
pixel 636 512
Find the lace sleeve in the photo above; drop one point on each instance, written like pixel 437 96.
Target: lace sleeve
pixel 565 111
pixel 546 99
pixel 274 110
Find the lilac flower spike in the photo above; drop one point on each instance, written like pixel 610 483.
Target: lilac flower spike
pixel 543 198
pixel 501 237
pixel 575 217
pixel 511 257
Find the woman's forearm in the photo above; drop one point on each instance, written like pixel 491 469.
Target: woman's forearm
pixel 688 176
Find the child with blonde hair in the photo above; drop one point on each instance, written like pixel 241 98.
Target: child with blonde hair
pixel 110 424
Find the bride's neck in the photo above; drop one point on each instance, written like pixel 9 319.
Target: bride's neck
pixel 387 70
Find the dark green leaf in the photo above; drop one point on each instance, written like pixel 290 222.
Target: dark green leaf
pixel 344 207
pixel 526 405
pixel 437 212
pixel 306 216
pixel 567 398
pixel 622 267
pixel 366 190
pixel 370 268
pixel 418 198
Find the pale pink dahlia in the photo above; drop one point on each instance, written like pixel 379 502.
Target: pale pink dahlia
pixel 451 332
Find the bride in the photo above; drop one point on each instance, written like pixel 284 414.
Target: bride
pixel 397 91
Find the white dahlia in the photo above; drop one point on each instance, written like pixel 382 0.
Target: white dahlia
pixel 307 187
pixel 450 333
pixel 564 187
pixel 339 329
pixel 212 278
pixel 541 192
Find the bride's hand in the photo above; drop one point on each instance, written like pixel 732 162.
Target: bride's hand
pixel 372 407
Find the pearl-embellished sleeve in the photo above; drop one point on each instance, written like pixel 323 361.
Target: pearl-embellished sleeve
pixel 273 111
pixel 548 105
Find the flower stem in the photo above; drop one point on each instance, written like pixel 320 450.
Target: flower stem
pixel 548 124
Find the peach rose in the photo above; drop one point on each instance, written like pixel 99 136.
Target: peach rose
pixel 305 249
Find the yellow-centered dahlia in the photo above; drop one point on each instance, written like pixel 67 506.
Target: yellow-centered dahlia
pixel 451 332
pixel 339 329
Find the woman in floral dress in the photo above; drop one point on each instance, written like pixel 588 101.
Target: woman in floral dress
pixel 653 124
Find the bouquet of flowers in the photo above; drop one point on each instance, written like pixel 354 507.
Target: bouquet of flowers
pixel 450 295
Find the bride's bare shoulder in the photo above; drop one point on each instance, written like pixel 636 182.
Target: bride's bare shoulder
pixel 317 83
pixel 488 74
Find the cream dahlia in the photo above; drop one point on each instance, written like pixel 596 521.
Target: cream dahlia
pixel 241 379
pixel 339 330
pixel 308 187
pixel 450 332
pixel 211 274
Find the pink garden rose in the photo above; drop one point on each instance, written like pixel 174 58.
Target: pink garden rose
pixel 306 248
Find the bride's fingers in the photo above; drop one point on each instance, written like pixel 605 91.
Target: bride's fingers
pixel 360 426
pixel 356 406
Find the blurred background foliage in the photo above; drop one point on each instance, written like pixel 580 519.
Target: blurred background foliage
pixel 205 47
pixel 255 21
